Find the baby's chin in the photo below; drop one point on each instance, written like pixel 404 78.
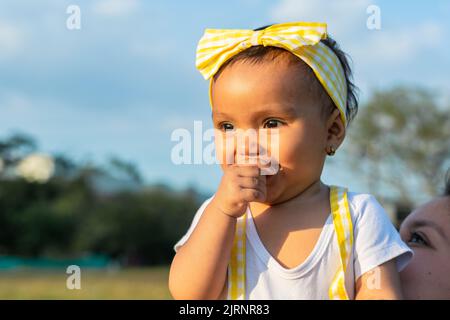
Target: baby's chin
pixel 273 194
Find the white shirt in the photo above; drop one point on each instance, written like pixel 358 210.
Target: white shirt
pixel 375 241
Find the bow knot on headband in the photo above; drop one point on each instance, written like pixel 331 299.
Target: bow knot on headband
pixel 300 38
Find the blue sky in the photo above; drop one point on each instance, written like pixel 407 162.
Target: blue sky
pixel 122 83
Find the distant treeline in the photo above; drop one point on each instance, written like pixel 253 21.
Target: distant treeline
pixel 76 212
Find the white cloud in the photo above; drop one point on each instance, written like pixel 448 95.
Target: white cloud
pixel 11 39
pixel 346 20
pixel 341 16
pixel 115 7
pixel 400 46
pixel 14 101
pixel 384 55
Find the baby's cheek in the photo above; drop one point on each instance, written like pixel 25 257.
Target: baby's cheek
pixel 297 151
pixel 289 149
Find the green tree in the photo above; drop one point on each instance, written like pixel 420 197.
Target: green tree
pixel 71 214
pixel 15 148
pixel 400 141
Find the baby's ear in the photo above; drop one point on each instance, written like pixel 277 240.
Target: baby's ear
pixel 335 129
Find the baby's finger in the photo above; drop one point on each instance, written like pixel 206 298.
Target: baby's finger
pixel 248 170
pixel 251 195
pixel 252 182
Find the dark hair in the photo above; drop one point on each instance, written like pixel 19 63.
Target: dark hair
pixel 256 54
pixel 447 184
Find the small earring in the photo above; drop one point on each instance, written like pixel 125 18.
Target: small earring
pixel 331 151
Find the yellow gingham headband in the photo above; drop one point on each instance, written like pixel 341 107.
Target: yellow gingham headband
pixel 300 38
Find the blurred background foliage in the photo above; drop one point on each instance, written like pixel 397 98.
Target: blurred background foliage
pixel 83 209
pixel 400 142
pixel 56 212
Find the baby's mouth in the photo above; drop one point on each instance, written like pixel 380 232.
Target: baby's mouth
pixel 269 166
pixel 272 169
pixel 270 179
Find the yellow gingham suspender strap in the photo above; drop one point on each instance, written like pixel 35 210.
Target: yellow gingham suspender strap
pixel 343 227
pixel 236 269
pixel 344 232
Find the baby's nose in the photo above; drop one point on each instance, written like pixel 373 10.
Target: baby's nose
pixel 252 153
pixel 248 148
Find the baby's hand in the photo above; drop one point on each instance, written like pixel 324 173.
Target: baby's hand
pixel 240 185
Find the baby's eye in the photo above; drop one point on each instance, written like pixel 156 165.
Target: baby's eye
pixel 272 123
pixel 226 126
pixel 416 238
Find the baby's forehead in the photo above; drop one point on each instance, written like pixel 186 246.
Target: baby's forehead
pixel 270 74
pixel 279 60
pixel 265 73
pixel 247 86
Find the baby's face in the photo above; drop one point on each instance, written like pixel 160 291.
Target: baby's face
pixel 427 232
pixel 274 94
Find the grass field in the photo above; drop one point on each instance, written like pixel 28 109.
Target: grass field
pixel 141 283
